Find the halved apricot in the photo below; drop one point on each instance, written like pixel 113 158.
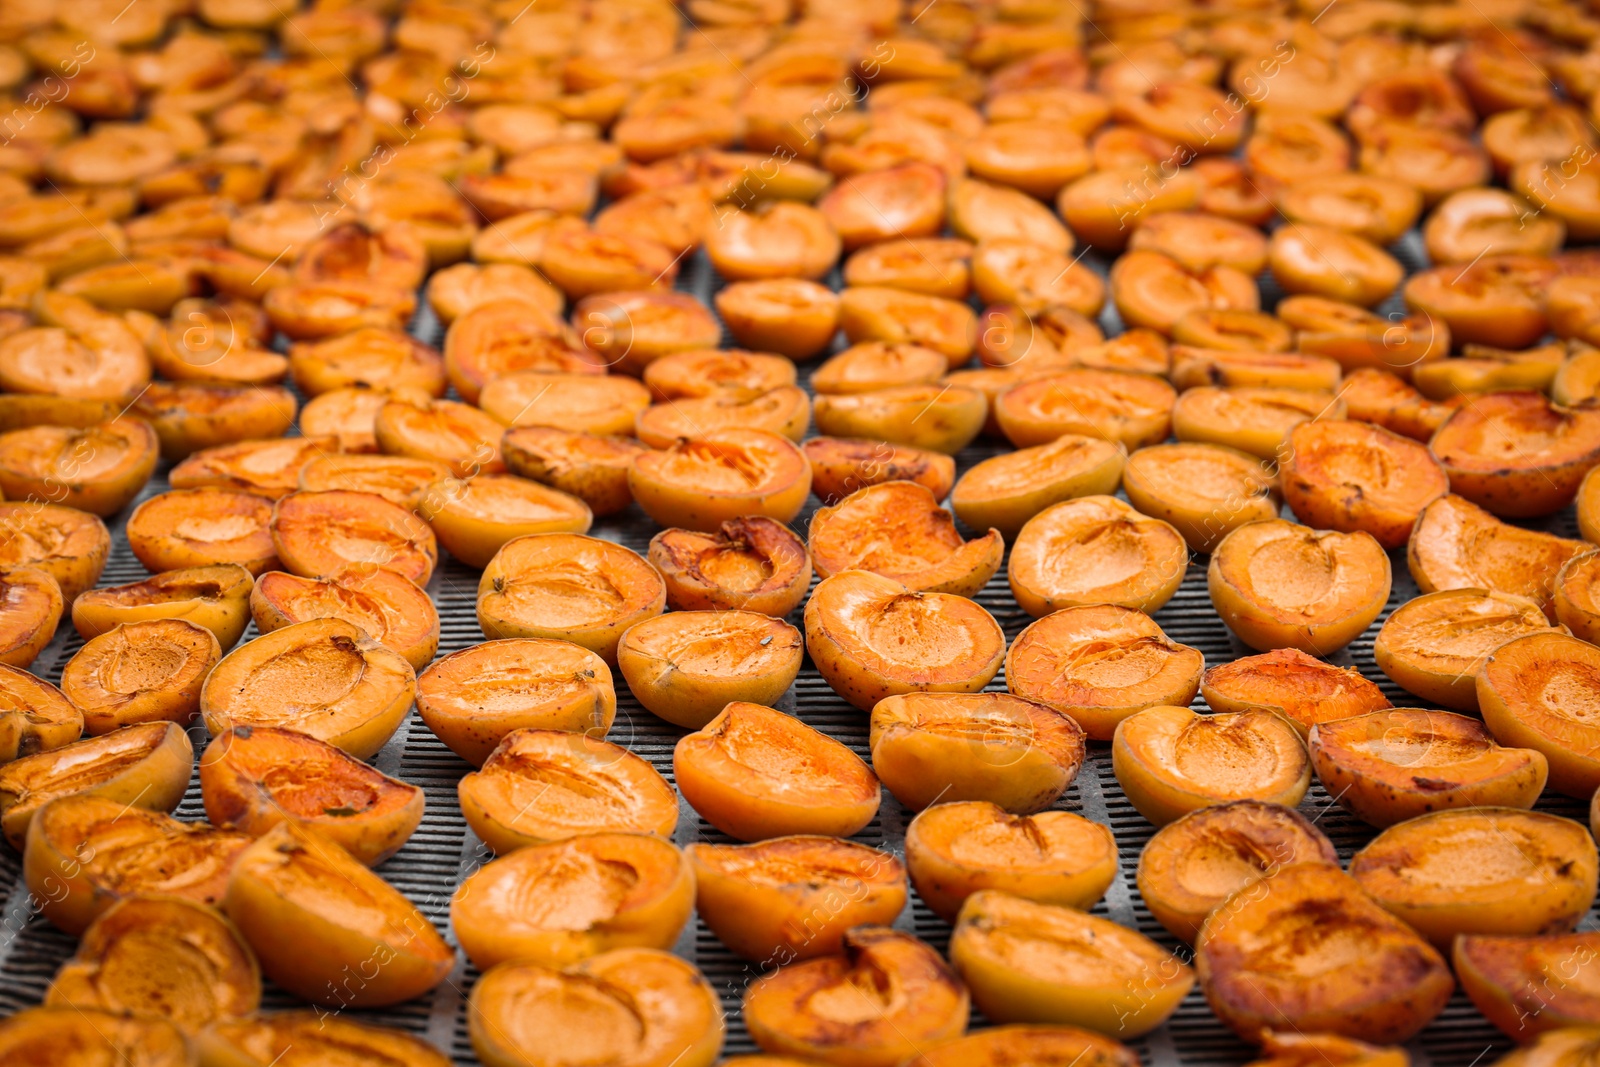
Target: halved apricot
pixel 874 1005
pixel 1496 871
pixel 87 852
pixel 189 528
pixel 1134 409
pixel 790 316
pixel 785 410
pixel 1104 207
pixel 1204 491
pixel 748 564
pixel 30 610
pixel 324 677
pixel 254 777
pixel 937 266
pixel 1377 209
pixel 1005 492
pixel 1517 454
pixel 955 849
pixel 75 350
pixel 636 1005
pixel 570 587
pixel 631 329
pixel 265 1039
pixel 1019 754
pixel 686 666
pixel 463 287
pixel 794 898
pixel 1458 545
pixel 897 530
pixel 938 418
pixel 1575 587
pixel 1495 301
pixel 1307 258
pixel 448 430
pixel 709 371
pixel 1153 290
pixel 70 545
pixel 34 716
pixel 1199 241
pixel 509 337
pixel 1306 947
pixel 398 479
pixel 1041 963
pixel 144 671
pixel 1194 863
pixel 474 518
pixel 773 239
pixel 1035 279
pixel 125 964
pixel 539 786
pixel 591 467
pixel 1536 692
pixel 1255 420
pixel 840 466
pixel 1352 476
pixel 190 416
pixel 1383 398
pixel 753 773
pixel 321 533
pixel 704 481
pixel 267 468
pixel 1303 689
pixel 1530 986
pixel 388 607
pixel 559 903
pixel 144 766
pixel 294 878
pixel 98 470
pixel 581 403
pixel 1435 644
pixel 872 637
pixel 1278 584
pixel 373 357
pixel 75 1036
pixel 897 202
pixel 473 698
pixel 1095 550
pixel 1101 663
pixel 1196 367
pixel 873 365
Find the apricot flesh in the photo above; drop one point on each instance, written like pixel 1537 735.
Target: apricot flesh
pixel 897 530
pixel 1303 689
pixel 1529 985
pixel 747 564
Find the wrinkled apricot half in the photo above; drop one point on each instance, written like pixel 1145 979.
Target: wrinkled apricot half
pixel 323 677
pixel 1530 985
pixel 1303 689
pixel 125 964
pixel 34 715
pixel 30 610
pixel 591 467
pixel 1095 550
pixel 686 666
pixel 794 898
pixel 563 902
pixel 254 777
pixel 1281 585
pixel 398 479
pixel 87 852
pixel 754 772
pixel 885 996
pixel 71 545
pixel 569 587
pixel 1133 409
pixel 1101 663
pixel 1435 644
pixel 320 533
pixel 1575 606
pixel 539 786
pixel 98 470
pixel 1171 760
pixel 294 878
pixel 1306 947
pixel 1203 491
pixel 1458 545
pixel 1517 454
pixel 1198 860
pixel 841 466
pixel 389 608
pixel 747 564
pixel 872 637
pixel 1055 857
pixel 1539 691
pixel 145 766
pixel 217 598
pixel 1041 963
pixel 269 468
pixel 897 530
pixel 1350 476
pixel 148 671
pixel 701 482
pixel 1499 871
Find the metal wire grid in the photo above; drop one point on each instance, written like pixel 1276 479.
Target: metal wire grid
pixel 444 850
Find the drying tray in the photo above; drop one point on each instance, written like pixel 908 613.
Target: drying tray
pixel 444 850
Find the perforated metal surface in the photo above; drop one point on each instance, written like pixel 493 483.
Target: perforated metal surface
pixel 444 850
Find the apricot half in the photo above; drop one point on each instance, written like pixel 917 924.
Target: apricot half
pixel 794 898
pixel 701 482
pixel 747 564
pixel 342 916
pixel 1278 584
pixel 1006 491
pixel 1055 857
pixel 934 418
pixel 1095 550
pixel 474 518
pixel 87 852
pixel 569 587
pixel 1435 644
pixel 1517 454
pixel 559 903
pixel 30 610
pixel 149 671
pixel 388 607
pixel 400 480
pixel 208 527
pixel 1351 476
pixel 263 1040
pixel 1133 409
pixel 1395 764
pixel 318 534
pixel 71 545
pixel 98 469
pixel 1252 419
pixel 1041 963
pixel 324 677
pixel 885 996
pixel 754 772
pixel 686 666
pixel 1530 985
pixel 1171 760
pixel 1541 691
pixel 217 598
pixel 871 637
pixel 897 530
pixel 1101 663
pixel 1198 860
pixel 1204 491
pixel 75 1037
pixel 1458 545
pixel 629 1005
pixel 539 786
pixel 269 468
pixel 34 715
pixel 126 963
pixel 473 698
pixel 1497 871
pixel 254 777
pixel 841 466
pixel 590 467
pixel 1574 600
pixel 145 766
pixel 1303 689
pixel 1306 947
